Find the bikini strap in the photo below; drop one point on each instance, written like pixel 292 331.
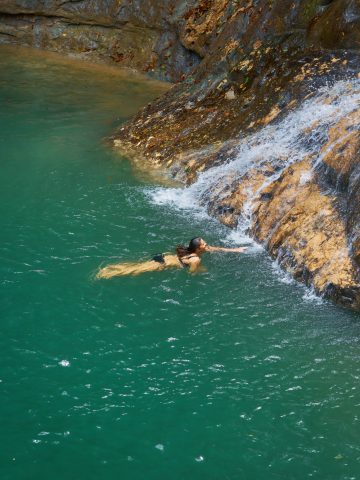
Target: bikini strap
pixel 192 255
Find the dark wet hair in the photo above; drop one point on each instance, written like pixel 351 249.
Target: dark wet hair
pixel 194 244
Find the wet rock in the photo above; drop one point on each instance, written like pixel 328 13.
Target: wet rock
pixel 243 66
pixel 339 169
pixel 337 26
pixel 301 227
pixel 137 34
pixel 260 61
pixel 230 95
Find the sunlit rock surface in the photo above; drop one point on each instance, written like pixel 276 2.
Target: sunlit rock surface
pixel 303 229
pixel 296 190
pixel 263 126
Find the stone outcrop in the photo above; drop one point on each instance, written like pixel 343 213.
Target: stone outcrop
pixel 303 229
pixel 242 66
pixel 140 34
pixel 340 170
pixel 260 63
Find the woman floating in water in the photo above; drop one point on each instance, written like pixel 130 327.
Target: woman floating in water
pixel 186 257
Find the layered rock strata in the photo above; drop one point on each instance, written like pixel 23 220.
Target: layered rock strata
pixel 140 34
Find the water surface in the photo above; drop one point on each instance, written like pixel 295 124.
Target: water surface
pixel 234 373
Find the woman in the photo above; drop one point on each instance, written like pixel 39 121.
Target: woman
pixel 186 257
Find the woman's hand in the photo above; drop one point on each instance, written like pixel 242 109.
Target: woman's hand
pixel 239 249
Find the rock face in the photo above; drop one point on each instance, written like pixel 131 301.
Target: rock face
pixel 302 228
pixel 264 123
pixel 141 34
pixel 270 67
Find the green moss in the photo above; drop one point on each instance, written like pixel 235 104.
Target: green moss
pixel 308 10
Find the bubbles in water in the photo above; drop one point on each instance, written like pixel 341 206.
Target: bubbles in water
pixel 282 276
pixel 311 296
pixel 64 363
pixel 179 199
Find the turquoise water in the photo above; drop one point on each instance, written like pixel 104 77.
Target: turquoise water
pixel 234 373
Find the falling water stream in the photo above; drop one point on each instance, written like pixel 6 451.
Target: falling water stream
pixel 300 135
pixel 234 373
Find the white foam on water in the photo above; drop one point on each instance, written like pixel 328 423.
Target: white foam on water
pixel 299 135
pixel 309 295
pixel 306 177
pixel 238 237
pixel 178 199
pixel 312 297
pixel 282 275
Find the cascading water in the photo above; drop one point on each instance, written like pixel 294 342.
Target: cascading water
pixel 301 134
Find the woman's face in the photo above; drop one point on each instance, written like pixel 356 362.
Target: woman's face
pixel 202 246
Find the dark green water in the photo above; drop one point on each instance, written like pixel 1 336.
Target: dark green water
pixel 229 374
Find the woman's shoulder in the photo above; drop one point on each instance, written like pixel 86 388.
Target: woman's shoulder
pixel 191 258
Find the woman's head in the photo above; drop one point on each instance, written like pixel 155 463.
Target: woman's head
pixel 196 245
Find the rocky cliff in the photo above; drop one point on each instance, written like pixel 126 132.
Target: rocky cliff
pixel 264 123
pixel 140 34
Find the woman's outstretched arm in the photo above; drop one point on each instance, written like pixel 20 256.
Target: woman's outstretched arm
pixel 209 248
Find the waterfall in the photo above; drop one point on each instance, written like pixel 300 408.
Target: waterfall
pixel 299 135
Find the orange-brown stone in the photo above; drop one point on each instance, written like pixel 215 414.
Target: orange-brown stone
pixel 301 227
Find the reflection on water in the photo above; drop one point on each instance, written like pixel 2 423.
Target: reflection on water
pixel 232 373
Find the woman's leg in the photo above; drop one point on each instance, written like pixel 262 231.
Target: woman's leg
pixel 120 269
